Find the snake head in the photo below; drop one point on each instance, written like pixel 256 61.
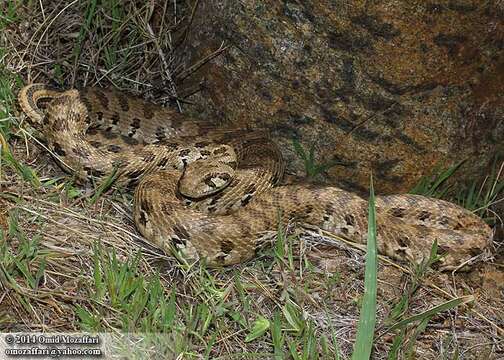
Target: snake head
pixel 202 178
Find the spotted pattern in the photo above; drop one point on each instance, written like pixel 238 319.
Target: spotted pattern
pixel 94 134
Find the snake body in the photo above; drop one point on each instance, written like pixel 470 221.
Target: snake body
pixel 208 193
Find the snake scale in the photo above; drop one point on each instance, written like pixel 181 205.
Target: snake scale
pixel 209 193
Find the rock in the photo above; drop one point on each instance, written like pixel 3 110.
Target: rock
pixel 394 88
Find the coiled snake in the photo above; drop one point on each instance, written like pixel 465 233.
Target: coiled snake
pixel 209 193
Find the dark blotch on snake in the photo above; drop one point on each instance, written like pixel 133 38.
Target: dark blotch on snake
pixel 148 157
pixel 129 140
pixel 224 176
pixel 149 110
pixel 123 102
pixel 113 148
pixel 227 246
pixel 221 259
pixel 167 210
pixel 424 215
pixel 400 253
pixel 119 162
pixel 160 133
pixel 221 150
pixel 135 123
pixel 246 199
pixel 201 144
pixel 350 219
pixel 403 241
pixel 143 218
pixel 58 149
pixel 102 98
pixel 145 206
pixel 93 172
pixel 60 126
pixel 81 152
pixel 398 212
pixel 135 174
pixel 250 189
pixel 99 116
pixel 162 162
pixel 184 152
pixel 181 233
pixel 115 118
pixel 169 144
pixel 108 134
pixel 95 144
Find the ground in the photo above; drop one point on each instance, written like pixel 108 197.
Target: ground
pixel 71 259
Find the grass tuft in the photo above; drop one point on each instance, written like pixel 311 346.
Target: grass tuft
pixel 481 197
pixel 432 186
pixel 312 168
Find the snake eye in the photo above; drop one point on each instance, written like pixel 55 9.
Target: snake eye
pixel 217 180
pixel 210 181
pixel 224 176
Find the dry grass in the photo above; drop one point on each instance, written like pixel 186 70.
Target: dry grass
pixel 56 245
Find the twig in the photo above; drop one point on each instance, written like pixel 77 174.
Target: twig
pixel 171 83
pixel 358 125
pixel 191 19
pixel 47 28
pixel 186 72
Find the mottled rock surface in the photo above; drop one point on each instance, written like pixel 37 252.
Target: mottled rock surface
pixel 394 87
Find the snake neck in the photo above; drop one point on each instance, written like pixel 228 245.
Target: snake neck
pixel 28 98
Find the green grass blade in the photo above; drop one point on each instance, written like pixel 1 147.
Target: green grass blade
pixel 367 319
pixel 89 15
pixel 40 272
pixel 210 345
pixel 433 311
pixel 293 317
pixel 299 149
pixel 104 186
pixel 431 185
pixel 23 268
pixel 277 336
pixel 26 172
pixel 446 174
pixel 261 325
pixel 170 311
pixel 410 353
pixel 396 345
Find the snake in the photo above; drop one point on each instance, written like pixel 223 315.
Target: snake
pixel 209 193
